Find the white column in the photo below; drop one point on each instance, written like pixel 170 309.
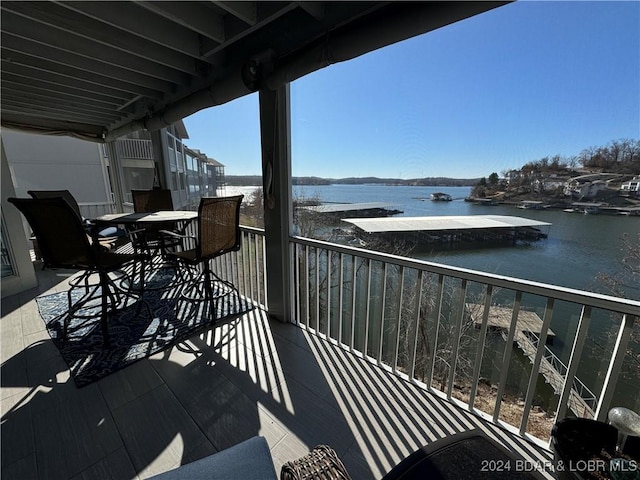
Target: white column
pixel 275 132
pixel 160 148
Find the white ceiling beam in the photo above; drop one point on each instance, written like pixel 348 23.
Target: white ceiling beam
pixel 9 78
pixel 128 17
pixel 315 9
pixel 248 31
pixel 29 95
pixel 16 107
pixel 91 66
pixel 63 80
pixel 56 21
pixel 34 122
pixel 39 67
pixel 44 35
pixel 191 15
pixel 58 110
pixel 245 11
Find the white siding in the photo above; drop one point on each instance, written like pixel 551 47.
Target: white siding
pixel 41 162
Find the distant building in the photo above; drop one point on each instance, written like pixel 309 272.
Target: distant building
pixel 549 184
pixel 205 176
pixel 631 188
pixel 580 187
pixel 512 176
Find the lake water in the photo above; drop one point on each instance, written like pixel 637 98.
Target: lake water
pixel 579 247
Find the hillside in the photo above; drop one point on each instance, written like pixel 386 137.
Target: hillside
pixel 248 180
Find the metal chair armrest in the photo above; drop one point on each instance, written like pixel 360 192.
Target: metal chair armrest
pixel 177 235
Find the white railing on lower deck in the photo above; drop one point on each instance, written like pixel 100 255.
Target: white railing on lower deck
pixel 138 149
pixel 96 209
pixel 246 267
pixel 396 312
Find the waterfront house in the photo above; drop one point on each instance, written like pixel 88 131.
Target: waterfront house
pixel 513 176
pixel 549 184
pixel 631 188
pixel 338 359
pixel 583 188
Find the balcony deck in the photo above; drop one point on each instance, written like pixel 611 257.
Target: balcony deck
pixel 249 377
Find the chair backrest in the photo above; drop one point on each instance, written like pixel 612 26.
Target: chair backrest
pixel 59 231
pixel 218 225
pixel 66 194
pixel 151 200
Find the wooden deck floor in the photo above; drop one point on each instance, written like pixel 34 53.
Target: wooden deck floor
pixel 249 377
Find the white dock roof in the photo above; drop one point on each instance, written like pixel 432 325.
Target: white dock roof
pixel 425 224
pixel 347 207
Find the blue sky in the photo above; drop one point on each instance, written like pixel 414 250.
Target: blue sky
pixel 490 93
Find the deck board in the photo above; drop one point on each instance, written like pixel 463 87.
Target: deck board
pixel 249 377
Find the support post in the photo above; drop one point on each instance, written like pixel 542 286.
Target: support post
pixel 159 147
pixel 275 133
pixel 115 175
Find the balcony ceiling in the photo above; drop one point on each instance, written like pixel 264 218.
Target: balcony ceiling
pixel 98 69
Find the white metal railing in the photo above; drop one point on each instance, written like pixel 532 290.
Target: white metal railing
pixel 409 316
pixel 95 209
pixel 246 267
pixel 132 148
pixel 557 366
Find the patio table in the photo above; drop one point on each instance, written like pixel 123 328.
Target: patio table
pixel 146 219
pixel 152 221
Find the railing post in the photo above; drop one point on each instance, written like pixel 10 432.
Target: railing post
pixel 576 353
pixel 275 133
pixel 506 358
pixel 540 349
pixel 456 338
pixel 617 358
pixel 480 350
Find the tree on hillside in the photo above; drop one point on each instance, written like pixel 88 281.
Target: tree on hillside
pixel 493 179
pixel 625 283
pixel 619 156
pixel 252 210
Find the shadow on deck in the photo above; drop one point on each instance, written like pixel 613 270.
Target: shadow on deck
pixel 251 376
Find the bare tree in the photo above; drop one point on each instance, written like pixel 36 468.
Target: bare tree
pixel 625 283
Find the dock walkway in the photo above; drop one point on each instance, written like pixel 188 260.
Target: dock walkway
pixel 527 337
pixel 500 318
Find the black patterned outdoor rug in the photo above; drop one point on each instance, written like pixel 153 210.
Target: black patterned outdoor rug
pixel 135 331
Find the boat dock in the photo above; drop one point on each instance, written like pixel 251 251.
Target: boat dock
pixel 453 229
pixel 369 209
pixel 500 319
pixel 582 401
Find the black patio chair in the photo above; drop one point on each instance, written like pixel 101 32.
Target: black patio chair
pixel 107 241
pixel 64 244
pixel 151 200
pixel 218 233
pixel 151 240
